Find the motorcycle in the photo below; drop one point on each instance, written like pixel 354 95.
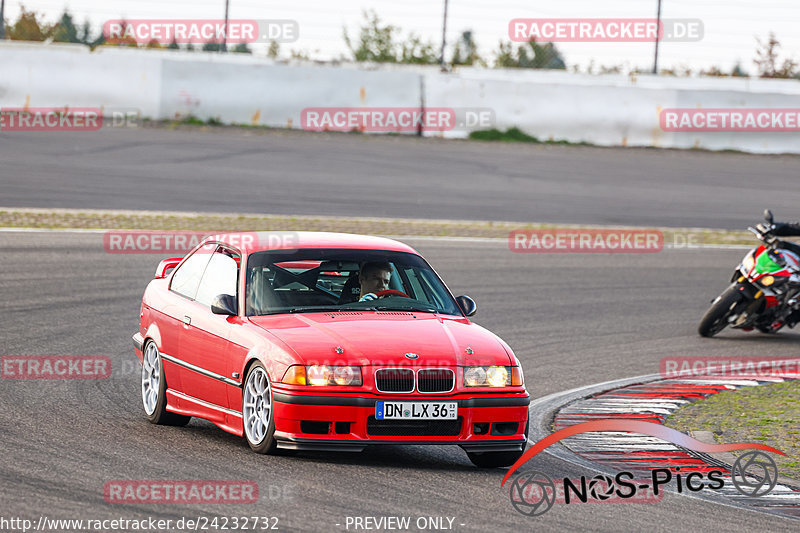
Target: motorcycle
pixel 765 289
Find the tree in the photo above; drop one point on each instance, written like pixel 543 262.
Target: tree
pixel 28 27
pixel 173 45
pixel 99 41
pixel 504 56
pixel 529 55
pixel 417 52
pixel 212 46
pixel 86 32
pixel 375 41
pixel 241 48
pixel 381 43
pixel 767 60
pixel 65 30
pixel 738 72
pixel 299 54
pixel 465 51
pixel 274 50
pixel 126 39
pixel 542 56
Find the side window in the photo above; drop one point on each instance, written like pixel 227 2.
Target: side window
pixel 416 287
pixel 187 278
pixel 219 278
pixel 434 290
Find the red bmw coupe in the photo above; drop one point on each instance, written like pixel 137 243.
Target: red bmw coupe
pixel 325 341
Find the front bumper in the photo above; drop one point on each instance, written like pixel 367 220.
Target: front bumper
pixel 347 423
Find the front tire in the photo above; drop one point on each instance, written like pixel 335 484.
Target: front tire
pixel 257 415
pixel 154 389
pixel 716 318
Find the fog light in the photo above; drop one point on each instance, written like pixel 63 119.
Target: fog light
pixel 480 428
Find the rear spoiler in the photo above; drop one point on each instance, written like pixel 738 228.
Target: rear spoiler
pixel 165 265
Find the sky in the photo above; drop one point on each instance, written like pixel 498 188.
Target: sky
pixel 730 27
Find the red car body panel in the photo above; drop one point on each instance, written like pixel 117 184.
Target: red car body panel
pixel 206 357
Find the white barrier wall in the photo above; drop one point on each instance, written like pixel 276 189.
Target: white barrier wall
pixel 274 95
pixel 606 115
pixel 615 110
pixel 612 110
pixel 71 75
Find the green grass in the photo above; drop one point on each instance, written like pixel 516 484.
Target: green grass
pixel 110 219
pixel 768 414
pixel 510 135
pixel 516 135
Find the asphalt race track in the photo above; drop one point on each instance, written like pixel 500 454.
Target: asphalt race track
pixel 572 319
pixel 285 172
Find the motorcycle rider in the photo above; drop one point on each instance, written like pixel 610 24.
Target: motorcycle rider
pixel 785 229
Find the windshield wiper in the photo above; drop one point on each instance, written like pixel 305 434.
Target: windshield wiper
pixel 406 308
pixel 313 309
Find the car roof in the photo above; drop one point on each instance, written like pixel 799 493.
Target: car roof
pixel 249 242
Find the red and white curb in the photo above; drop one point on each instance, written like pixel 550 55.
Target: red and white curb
pixel 654 402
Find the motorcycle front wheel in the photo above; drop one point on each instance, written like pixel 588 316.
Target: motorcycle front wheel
pixel 716 318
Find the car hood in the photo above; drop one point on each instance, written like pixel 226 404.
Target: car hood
pixel 383 338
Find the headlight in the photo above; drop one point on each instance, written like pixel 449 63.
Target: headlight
pixel 347 375
pixel 475 376
pixel 770 281
pixel 747 263
pixel 492 376
pixel 497 376
pixel 323 375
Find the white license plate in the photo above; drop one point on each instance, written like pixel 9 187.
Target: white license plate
pixel 416 410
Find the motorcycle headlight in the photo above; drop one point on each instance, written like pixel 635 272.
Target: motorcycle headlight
pixel 772 281
pixel 748 263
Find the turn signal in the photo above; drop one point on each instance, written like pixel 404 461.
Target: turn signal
pixel 296 375
pixel 516 376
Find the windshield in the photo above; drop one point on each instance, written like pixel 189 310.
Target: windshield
pixel 329 280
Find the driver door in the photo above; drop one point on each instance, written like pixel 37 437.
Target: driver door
pixel 204 338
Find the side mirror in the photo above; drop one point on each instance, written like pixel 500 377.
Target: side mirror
pixel 768 216
pixel 467 305
pixel 224 304
pixel 165 265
